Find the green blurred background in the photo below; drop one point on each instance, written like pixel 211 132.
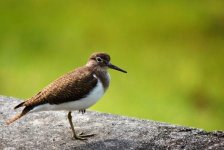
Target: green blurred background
pixel 173 52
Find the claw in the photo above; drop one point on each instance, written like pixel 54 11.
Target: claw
pixel 81 136
pixel 78 138
pixel 86 135
pixel 82 111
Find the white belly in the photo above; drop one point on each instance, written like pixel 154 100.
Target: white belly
pixel 83 103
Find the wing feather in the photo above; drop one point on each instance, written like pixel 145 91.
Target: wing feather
pixel 70 87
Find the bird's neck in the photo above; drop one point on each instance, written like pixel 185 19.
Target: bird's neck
pixel 104 77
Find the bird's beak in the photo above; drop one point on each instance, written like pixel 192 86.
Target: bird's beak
pixel 115 67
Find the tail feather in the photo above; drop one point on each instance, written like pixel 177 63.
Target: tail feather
pixel 19 115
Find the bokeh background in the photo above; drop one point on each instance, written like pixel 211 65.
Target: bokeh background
pixel 173 52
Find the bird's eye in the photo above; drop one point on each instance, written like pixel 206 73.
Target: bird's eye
pixel 98 59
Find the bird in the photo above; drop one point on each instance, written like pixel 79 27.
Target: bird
pixel 76 90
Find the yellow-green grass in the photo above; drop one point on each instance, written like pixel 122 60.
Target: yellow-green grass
pixel 173 52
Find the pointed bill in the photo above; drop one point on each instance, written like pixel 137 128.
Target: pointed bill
pixel 115 67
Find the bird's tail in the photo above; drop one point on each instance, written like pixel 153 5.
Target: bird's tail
pixel 19 115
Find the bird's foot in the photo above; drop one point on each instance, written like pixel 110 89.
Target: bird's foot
pixel 82 111
pixel 82 136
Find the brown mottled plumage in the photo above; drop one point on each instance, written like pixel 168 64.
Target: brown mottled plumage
pixel 74 86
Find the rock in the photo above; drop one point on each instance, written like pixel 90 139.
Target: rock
pixel 51 130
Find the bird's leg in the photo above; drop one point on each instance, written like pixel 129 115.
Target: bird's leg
pixel 75 136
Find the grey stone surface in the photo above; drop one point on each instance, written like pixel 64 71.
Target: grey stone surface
pixel 50 130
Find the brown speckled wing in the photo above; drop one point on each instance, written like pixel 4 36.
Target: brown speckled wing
pixel 70 87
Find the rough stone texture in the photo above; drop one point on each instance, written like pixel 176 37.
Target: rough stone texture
pixel 50 130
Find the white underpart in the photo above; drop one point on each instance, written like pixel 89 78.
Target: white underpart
pixel 83 103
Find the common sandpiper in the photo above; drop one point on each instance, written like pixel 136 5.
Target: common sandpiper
pixel 76 90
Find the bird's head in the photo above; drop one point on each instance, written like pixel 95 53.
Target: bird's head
pixel 102 61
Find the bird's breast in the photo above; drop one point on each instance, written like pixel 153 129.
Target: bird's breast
pixel 96 93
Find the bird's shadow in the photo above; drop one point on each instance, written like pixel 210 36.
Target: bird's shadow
pixel 105 144
pixel 116 143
